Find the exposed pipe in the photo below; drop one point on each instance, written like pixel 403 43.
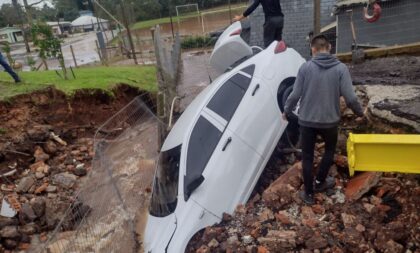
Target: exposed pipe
pixel 172 112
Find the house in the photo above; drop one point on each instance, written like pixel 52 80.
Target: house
pixel 398 24
pixel 60 27
pixel 11 35
pixel 89 23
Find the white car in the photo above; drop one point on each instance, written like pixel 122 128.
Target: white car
pixel 217 150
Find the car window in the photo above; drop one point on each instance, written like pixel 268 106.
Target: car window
pixel 230 94
pixel 204 139
pixel 165 187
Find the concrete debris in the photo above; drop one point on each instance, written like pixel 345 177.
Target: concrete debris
pixel 25 184
pixel 396 104
pixel 364 214
pixel 7 210
pixel 65 179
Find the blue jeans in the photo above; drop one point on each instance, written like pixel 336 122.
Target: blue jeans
pixel 8 69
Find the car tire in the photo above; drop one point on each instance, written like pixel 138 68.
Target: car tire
pixel 292 117
pixel 292 130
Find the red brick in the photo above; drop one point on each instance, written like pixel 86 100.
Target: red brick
pixel 361 184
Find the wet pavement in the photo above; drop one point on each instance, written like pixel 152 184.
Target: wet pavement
pixel 84 47
pixel 195 76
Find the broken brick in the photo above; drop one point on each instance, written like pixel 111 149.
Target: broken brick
pixel 361 184
pixel 281 192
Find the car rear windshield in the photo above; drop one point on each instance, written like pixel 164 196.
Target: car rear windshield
pixel 165 185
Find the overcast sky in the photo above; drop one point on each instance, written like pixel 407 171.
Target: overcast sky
pixel 9 1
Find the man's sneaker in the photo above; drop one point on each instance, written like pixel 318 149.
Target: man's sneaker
pixel 307 198
pixel 329 183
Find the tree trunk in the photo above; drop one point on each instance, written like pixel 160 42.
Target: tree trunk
pixel 25 35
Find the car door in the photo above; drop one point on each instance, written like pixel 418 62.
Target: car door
pixel 258 120
pixel 215 179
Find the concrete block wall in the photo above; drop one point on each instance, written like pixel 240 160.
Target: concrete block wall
pixel 398 25
pixel 298 23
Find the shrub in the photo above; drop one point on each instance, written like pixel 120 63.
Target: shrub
pixel 197 42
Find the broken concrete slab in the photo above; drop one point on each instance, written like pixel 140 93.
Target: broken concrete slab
pixel 396 104
pixel 361 184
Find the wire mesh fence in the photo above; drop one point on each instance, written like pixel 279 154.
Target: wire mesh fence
pixel 397 25
pixel 109 211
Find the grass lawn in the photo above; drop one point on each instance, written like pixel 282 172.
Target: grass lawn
pixel 104 78
pixel 153 22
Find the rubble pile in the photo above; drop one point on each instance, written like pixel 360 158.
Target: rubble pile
pixel 370 213
pixel 42 186
pixel 46 151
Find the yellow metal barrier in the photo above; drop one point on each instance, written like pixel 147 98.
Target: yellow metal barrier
pixel 383 153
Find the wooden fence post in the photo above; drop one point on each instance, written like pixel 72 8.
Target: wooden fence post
pixel 74 57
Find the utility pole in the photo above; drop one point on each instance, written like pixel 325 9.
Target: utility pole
pixel 28 12
pixel 127 27
pixel 170 17
pixel 22 26
pixel 230 12
pixel 317 17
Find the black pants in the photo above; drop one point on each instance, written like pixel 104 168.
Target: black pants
pixel 308 139
pixel 273 29
pixel 8 69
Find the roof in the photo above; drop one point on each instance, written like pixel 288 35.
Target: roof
pixel 346 3
pixel 10 29
pixel 87 20
pixel 61 23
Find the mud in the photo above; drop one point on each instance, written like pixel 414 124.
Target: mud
pixel 387 71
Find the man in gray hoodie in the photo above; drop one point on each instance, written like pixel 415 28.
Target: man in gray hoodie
pixel 319 85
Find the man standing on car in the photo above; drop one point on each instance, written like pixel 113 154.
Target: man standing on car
pixel 319 85
pixel 8 69
pixel 273 26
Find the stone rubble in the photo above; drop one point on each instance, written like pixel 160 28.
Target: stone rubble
pixel 43 187
pixel 371 212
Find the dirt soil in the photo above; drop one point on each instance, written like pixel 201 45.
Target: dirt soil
pixel 40 173
pixel 387 71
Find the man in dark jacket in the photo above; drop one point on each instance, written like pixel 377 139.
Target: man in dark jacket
pixel 8 69
pixel 273 26
pixel 319 85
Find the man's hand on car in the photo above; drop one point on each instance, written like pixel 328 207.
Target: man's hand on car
pixel 238 18
pixel 284 116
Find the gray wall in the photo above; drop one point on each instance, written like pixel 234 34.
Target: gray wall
pixel 298 23
pixel 399 24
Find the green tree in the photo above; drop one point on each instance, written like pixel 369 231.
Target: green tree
pixel 69 8
pixel 48 44
pixel 9 15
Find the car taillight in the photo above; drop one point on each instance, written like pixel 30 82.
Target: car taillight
pixel 280 47
pixel 237 32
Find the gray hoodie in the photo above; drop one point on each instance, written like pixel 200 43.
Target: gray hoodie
pixel 319 85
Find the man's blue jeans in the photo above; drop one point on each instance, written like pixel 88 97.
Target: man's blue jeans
pixel 8 69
